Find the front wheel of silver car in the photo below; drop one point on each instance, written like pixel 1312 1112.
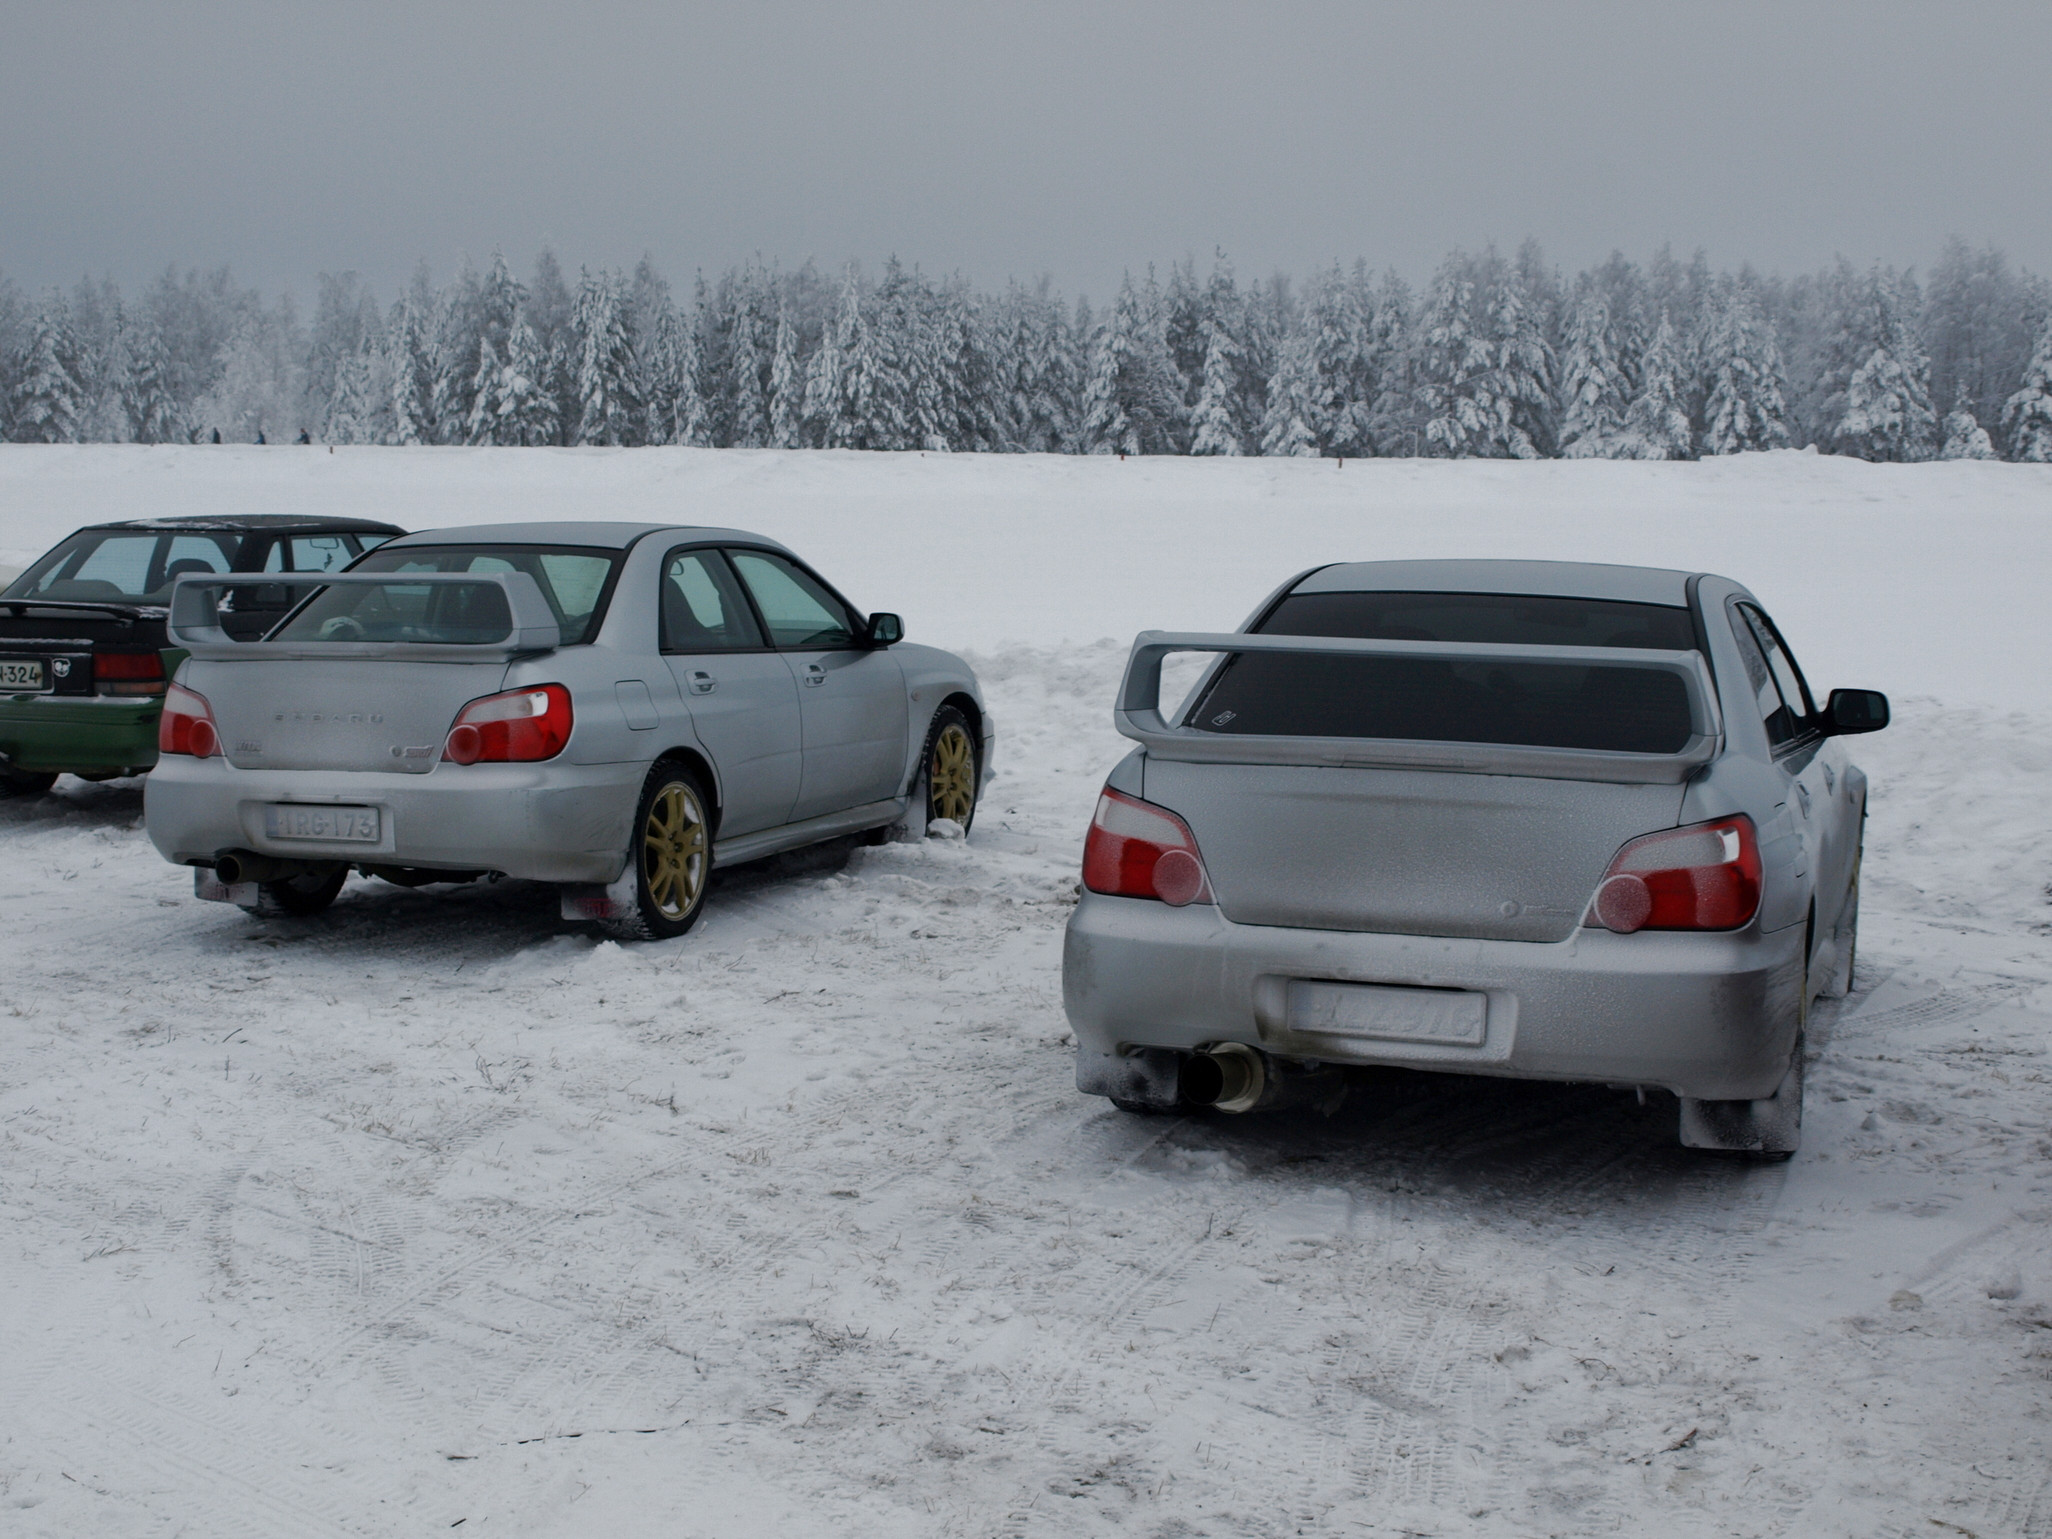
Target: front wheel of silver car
pixel 949 768
pixel 670 860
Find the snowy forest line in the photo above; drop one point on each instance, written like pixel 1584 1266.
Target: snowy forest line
pixel 1498 357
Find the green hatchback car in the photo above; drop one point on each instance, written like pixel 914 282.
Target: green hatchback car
pixel 84 659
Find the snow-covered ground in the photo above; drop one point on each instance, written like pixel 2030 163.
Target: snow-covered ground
pixel 431 1211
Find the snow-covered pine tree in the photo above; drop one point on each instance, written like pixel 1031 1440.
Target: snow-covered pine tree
pixel 1214 421
pixel 1524 360
pixel 787 385
pixel 1185 304
pixel 1293 402
pixel 1132 401
pixel 48 396
pixel 527 409
pixel 829 377
pixel 487 415
pixel 886 363
pixel 410 367
pixel 1656 424
pixel 488 309
pixel 2027 415
pixel 606 402
pixel 1390 359
pixel 1745 406
pixel 1595 392
pixel 1965 438
pixel 152 410
pixel 1888 413
pixel 1456 375
pixel 1978 326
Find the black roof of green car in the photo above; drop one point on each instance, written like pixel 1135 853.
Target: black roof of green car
pixel 255 523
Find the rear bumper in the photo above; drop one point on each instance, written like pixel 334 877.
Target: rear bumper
pixel 1711 1016
pixel 79 734
pixel 551 822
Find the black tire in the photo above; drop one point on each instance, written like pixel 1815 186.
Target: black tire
pixel 669 858
pixel 299 897
pixel 14 782
pixel 951 767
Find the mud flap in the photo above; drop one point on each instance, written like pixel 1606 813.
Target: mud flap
pixel 614 900
pixel 1771 1126
pixel 211 889
pixel 1146 1076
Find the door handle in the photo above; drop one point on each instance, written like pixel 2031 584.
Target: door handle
pixel 814 675
pixel 703 683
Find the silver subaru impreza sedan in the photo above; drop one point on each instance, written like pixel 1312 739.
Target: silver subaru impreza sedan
pixel 1520 818
pixel 610 707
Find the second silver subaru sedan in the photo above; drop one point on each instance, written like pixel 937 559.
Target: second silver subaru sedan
pixel 1533 819
pixel 610 707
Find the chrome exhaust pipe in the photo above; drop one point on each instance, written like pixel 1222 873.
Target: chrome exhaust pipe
pixel 1231 1077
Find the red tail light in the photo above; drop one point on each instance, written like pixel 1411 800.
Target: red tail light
pixel 1705 877
pixel 1138 850
pixel 128 673
pixel 187 725
pixel 518 726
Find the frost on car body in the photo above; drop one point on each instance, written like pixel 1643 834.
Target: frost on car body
pixel 611 707
pixel 1531 819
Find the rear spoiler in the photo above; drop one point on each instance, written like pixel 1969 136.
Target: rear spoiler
pixel 195 622
pixel 1138 713
pixel 130 612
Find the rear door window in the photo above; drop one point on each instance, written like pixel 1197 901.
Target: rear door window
pixel 702 606
pixel 1611 708
pixel 319 553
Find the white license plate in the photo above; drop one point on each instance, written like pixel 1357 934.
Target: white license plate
pixel 1451 1016
pixel 21 673
pixel 346 825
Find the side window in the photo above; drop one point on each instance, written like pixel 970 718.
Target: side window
pixel 796 606
pixel 1783 723
pixel 318 553
pixel 703 610
pixel 1794 688
pixel 274 557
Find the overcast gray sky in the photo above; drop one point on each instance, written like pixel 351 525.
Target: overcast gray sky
pixel 1072 138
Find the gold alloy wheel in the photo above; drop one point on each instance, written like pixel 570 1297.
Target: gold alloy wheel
pixel 951 775
pixel 673 850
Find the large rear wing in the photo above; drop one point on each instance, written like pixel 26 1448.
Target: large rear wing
pixel 195 622
pixel 1138 712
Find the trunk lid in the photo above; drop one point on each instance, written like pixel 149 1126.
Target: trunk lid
pixel 1406 851
pixel 338 714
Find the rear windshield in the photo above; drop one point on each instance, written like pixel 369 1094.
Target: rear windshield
pixel 573 580
pixel 124 565
pixel 1541 705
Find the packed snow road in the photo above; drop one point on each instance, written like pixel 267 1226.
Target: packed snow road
pixel 431 1211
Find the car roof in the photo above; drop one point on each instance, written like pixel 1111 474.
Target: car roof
pixel 1561 579
pixel 256 523
pixel 574 532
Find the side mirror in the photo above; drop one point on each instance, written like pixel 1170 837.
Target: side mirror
pixel 886 629
pixel 1855 710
